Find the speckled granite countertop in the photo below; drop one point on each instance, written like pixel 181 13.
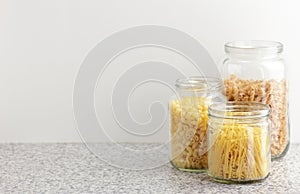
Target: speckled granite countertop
pixel 72 168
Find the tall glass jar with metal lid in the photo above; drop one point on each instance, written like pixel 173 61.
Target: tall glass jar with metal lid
pixel 188 121
pixel 255 71
pixel 238 142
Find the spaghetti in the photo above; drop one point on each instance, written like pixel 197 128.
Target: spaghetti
pixel 239 149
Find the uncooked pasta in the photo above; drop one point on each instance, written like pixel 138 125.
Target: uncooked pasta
pixel 270 92
pixel 188 132
pixel 238 152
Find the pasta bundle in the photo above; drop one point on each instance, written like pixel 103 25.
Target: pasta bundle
pixel 238 152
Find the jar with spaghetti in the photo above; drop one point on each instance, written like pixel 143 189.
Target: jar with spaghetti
pixel 255 71
pixel 238 142
pixel 188 121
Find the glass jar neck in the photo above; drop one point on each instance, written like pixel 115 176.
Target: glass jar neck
pixel 239 110
pixel 199 86
pixel 253 49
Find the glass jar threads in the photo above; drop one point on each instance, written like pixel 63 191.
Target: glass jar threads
pixel 188 121
pixel 254 71
pixel 238 142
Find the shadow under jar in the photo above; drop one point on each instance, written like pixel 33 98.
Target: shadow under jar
pixel 188 121
pixel 238 142
pixel 255 71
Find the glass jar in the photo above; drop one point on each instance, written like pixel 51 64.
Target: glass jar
pixel 188 121
pixel 254 71
pixel 238 142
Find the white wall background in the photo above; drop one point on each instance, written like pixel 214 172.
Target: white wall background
pixel 42 44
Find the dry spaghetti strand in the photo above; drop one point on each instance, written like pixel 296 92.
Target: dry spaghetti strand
pixel 238 152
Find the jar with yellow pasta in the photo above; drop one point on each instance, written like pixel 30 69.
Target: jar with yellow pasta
pixel 238 142
pixel 188 121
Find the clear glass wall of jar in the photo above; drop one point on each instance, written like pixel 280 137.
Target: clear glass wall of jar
pixel 255 71
pixel 238 142
pixel 188 121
